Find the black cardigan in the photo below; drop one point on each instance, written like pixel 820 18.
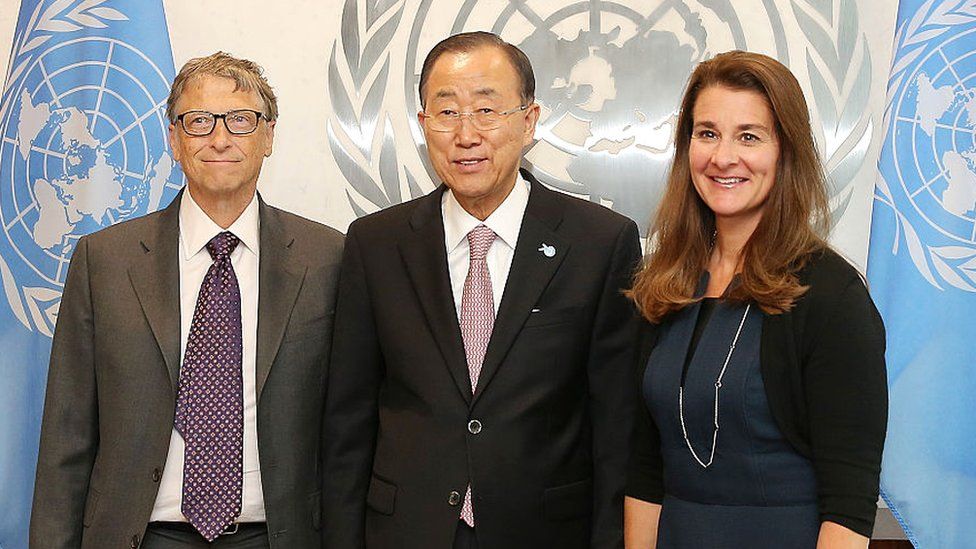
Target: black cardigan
pixel 823 368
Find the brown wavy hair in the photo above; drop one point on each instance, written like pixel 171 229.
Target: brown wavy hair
pixel 796 216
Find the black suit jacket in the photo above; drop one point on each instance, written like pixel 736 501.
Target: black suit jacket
pixel 554 397
pixel 111 392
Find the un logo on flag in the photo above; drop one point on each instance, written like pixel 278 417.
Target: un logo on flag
pixel 929 162
pixel 84 146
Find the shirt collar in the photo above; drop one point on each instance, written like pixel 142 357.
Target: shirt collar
pixel 196 227
pixel 505 221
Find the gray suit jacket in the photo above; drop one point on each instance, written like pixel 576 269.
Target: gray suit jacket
pixel 114 371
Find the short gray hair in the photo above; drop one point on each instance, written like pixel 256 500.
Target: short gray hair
pixel 247 76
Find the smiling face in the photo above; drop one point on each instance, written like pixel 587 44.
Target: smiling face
pixel 479 166
pixel 733 153
pixel 220 167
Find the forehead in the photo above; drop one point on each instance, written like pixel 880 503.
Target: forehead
pixel 723 104
pixel 217 94
pixel 485 71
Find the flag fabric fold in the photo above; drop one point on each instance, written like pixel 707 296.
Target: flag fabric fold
pixel 922 272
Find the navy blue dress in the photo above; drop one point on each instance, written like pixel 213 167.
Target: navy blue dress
pixel 758 492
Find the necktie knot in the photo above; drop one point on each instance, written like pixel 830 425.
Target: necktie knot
pixel 479 240
pixel 221 246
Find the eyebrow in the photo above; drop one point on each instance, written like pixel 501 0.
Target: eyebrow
pixel 741 127
pixel 486 92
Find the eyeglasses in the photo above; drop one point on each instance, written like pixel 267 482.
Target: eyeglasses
pixel 237 122
pixel 482 119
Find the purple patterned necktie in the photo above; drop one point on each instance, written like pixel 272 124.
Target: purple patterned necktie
pixel 210 401
pixel 477 320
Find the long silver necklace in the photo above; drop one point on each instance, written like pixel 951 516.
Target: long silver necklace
pixel 718 387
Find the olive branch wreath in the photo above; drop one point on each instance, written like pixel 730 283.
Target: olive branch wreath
pixel 376 180
pixel 61 16
pixel 954 264
pixel 838 63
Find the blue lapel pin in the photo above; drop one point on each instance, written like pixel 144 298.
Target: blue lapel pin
pixel 547 250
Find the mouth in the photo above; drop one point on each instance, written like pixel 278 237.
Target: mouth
pixel 729 182
pixel 467 165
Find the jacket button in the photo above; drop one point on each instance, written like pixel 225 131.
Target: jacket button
pixel 157 474
pixel 454 498
pixel 134 543
pixel 474 426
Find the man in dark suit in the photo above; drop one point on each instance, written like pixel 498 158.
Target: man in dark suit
pixel 480 393
pixel 188 369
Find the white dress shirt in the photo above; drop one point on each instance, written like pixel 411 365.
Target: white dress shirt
pixel 196 229
pixel 505 221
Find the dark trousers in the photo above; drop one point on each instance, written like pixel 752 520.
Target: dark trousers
pixel 182 536
pixel 464 537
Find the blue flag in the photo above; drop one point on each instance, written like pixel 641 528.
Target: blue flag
pixel 922 271
pixel 84 146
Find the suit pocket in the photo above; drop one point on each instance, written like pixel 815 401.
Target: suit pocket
pixel 568 501
pixel 549 317
pixel 315 504
pixel 91 504
pixel 381 496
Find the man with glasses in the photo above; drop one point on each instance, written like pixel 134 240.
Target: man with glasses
pixel 188 369
pixel 480 393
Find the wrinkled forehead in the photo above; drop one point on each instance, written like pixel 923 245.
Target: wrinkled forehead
pixel 484 72
pixel 215 88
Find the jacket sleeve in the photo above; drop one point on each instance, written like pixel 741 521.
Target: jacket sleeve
pixel 69 429
pixel 845 385
pixel 645 475
pixel 611 395
pixel 350 421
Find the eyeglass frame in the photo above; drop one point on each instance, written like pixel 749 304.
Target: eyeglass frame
pixel 459 116
pixel 221 116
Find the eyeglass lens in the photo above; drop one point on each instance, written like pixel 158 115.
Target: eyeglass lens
pixel 237 122
pixel 479 119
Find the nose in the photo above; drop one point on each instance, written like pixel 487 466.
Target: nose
pixel 725 154
pixel 466 135
pixel 220 138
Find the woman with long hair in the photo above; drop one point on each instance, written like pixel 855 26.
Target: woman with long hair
pixel 762 355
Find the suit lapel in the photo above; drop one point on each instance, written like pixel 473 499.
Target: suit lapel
pixel 529 275
pixel 425 258
pixel 156 282
pixel 279 281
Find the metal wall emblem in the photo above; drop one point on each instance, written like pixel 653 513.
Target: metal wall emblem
pixel 609 76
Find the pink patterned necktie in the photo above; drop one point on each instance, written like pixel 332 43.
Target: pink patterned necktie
pixel 477 320
pixel 210 401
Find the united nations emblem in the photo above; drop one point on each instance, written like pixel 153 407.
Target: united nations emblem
pixel 84 146
pixel 928 164
pixel 609 77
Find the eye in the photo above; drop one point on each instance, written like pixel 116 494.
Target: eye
pixel 750 138
pixel 485 111
pixel 447 113
pixel 706 134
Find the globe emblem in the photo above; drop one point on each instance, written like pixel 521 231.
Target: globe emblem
pixel 609 78
pixel 934 155
pixel 84 146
